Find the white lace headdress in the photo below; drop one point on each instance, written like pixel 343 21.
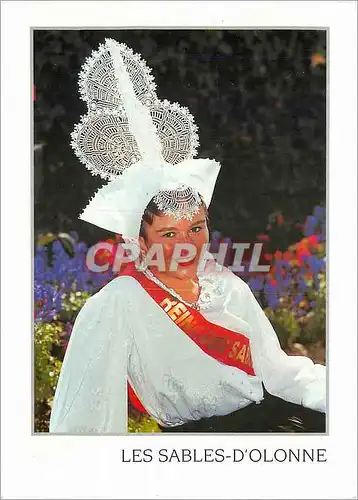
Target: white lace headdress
pixel 144 147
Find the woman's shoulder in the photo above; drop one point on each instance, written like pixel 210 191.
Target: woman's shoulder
pixel 120 294
pixel 120 286
pixel 220 286
pixel 222 275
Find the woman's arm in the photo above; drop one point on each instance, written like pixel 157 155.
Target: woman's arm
pixel 293 378
pixel 91 394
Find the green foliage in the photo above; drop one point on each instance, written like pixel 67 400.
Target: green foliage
pixel 285 324
pixel 302 328
pixel 72 304
pixel 313 324
pixel 49 239
pixel 142 423
pixel 47 367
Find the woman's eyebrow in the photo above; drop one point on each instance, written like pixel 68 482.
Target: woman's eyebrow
pixel 197 222
pixel 167 229
pixel 176 229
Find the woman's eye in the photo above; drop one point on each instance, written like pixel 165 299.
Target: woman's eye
pixel 169 235
pixel 196 229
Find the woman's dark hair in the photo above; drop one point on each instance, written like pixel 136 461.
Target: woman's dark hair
pixel 152 210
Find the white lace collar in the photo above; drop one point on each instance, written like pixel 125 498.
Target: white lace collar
pixel 211 289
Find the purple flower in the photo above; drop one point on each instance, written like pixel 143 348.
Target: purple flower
pixel 68 273
pixel 310 226
pixel 273 300
pixel 215 241
pixel 302 285
pixel 256 283
pixel 298 299
pixel 48 302
pixel 319 212
pixel 215 236
pixel 315 264
pixel 73 235
pixel 271 295
pixel 316 281
pixel 283 275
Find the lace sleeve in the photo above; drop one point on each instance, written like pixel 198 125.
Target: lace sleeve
pixel 91 394
pixel 293 378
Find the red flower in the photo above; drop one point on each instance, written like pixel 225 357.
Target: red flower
pixel 301 252
pixel 273 270
pixel 317 59
pixel 312 240
pixel 280 220
pixel 288 255
pixel 263 237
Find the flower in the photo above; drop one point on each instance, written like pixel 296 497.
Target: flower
pixel 315 264
pixel 256 283
pixel 289 256
pixel 272 296
pixel 280 220
pixel 263 237
pixel 319 212
pixel 310 225
pixel 302 253
pixel 48 302
pixel 317 59
pixel 312 240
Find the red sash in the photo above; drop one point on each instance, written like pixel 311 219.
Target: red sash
pixel 227 346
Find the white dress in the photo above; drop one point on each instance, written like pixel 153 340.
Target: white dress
pixel 122 332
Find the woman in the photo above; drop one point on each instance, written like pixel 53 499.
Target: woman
pixel 187 334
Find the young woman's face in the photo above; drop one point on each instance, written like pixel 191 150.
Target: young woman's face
pixel 166 232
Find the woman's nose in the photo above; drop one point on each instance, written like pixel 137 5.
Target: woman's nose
pixel 185 238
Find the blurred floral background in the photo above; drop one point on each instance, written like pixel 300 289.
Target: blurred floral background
pixel 258 98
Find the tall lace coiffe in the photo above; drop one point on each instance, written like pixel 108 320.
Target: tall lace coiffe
pixel 143 146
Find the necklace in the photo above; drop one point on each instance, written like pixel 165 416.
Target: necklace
pixel 150 275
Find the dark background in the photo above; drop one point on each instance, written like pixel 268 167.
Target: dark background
pixel 258 98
